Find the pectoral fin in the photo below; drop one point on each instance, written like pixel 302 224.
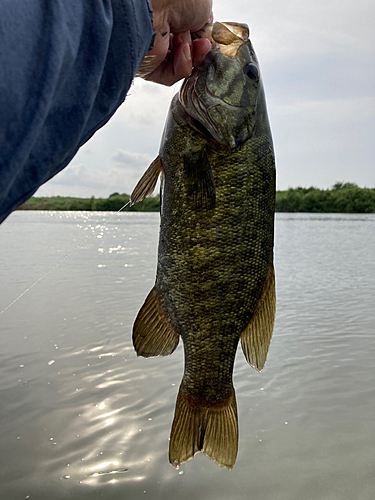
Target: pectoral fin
pixel 200 180
pixel 153 335
pixel 256 337
pixel 147 182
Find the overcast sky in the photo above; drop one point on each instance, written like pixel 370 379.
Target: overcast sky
pixel 318 65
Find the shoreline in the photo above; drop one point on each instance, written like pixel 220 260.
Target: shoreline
pixel 341 198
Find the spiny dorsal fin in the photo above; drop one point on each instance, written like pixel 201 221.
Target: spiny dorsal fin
pixel 153 335
pixel 147 182
pixel 256 337
pixel 199 426
pixel 200 180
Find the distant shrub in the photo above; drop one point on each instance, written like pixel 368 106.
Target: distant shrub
pixel 344 185
pixel 343 197
pixel 111 204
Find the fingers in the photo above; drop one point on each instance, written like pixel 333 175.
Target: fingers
pixel 177 63
pixel 180 60
pixel 201 47
pixel 174 20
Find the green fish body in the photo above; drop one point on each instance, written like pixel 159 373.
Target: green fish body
pixel 215 280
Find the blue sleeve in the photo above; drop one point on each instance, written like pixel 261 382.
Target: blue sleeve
pixel 66 66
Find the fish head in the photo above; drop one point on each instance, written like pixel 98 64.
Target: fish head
pixel 221 95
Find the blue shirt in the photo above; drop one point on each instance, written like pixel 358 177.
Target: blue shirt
pixel 65 67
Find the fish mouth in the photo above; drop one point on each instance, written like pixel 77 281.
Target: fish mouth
pixel 209 110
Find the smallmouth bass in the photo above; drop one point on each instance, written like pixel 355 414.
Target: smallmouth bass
pixel 215 281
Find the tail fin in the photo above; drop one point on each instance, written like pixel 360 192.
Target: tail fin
pixel 199 427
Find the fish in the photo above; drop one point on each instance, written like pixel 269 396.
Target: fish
pixel 215 280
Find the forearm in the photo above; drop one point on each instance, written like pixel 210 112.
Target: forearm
pixel 66 67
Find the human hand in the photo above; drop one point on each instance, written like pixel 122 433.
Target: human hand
pixel 174 53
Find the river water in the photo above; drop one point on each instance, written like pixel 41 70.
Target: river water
pixel 81 417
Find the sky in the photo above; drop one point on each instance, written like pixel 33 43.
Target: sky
pixel 318 66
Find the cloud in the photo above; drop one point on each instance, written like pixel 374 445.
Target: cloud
pixel 332 140
pixel 146 107
pixel 127 158
pixel 317 62
pixel 79 175
pixel 83 181
pixel 315 78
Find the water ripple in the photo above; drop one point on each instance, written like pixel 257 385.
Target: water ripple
pixel 99 417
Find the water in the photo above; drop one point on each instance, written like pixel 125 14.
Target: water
pixel 81 417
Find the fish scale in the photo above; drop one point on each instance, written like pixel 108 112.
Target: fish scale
pixel 215 280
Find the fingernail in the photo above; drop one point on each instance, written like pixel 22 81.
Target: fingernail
pixel 187 52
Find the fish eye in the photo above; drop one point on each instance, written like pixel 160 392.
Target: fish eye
pixel 251 70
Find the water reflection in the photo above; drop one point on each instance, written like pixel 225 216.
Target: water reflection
pixel 73 391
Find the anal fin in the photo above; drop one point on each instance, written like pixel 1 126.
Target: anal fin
pixel 153 335
pixel 146 184
pixel 256 337
pixel 209 428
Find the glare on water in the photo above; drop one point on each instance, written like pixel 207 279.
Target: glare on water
pixel 82 417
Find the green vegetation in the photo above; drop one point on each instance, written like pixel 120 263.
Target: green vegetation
pixel 111 204
pixel 341 198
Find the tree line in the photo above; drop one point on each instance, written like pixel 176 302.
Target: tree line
pixel 111 204
pixel 341 198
